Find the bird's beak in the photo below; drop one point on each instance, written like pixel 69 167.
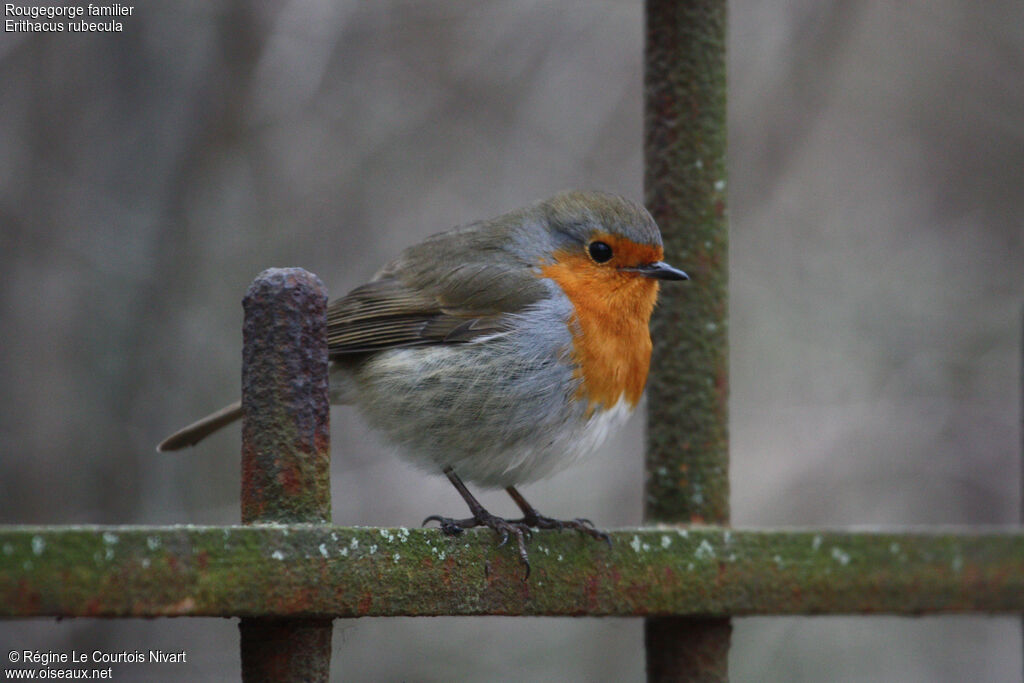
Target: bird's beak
pixel 659 270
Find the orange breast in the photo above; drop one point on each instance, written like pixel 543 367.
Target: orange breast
pixel 612 340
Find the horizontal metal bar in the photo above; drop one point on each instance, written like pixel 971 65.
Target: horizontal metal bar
pixel 316 570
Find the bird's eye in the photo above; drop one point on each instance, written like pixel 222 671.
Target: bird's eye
pixel 599 251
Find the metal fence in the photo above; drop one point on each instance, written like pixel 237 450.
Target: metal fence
pixel 287 572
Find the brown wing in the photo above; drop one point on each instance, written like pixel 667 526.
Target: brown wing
pixel 421 299
pixel 386 314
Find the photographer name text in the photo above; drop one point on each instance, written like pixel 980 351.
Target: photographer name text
pixel 50 657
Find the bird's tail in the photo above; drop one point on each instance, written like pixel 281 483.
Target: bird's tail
pixel 197 431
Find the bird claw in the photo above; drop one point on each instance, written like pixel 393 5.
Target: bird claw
pixel 520 528
pixel 503 527
pixel 580 524
pixel 449 526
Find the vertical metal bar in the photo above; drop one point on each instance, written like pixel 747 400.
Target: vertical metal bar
pixel 687 450
pixel 285 452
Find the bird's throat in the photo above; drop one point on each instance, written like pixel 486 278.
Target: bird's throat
pixel 611 337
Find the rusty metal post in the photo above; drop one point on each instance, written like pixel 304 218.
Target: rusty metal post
pixel 685 177
pixel 285 452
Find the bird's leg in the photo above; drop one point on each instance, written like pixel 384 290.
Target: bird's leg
pixel 482 517
pixel 534 519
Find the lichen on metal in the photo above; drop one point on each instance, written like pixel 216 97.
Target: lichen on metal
pixel 687 477
pixel 285 454
pixel 285 431
pixel 325 571
pixel 687 452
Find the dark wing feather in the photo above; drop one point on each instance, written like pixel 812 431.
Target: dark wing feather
pixel 463 304
pixel 454 287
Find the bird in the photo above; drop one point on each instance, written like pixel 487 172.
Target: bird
pixel 499 352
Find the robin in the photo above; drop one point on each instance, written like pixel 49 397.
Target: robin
pixel 499 352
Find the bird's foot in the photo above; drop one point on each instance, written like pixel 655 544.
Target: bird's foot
pixel 584 526
pixel 503 527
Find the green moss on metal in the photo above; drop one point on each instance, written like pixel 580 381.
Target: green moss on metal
pixel 685 179
pixel 285 431
pixel 314 570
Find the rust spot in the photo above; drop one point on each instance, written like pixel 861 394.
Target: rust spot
pixel 720 574
pixel 971 576
pixel 591 593
pixel 449 567
pixel 301 601
pixel 203 559
pixel 181 607
pixel 289 479
pixel 722 381
pixel 28 597
pixel 93 607
pixel 365 603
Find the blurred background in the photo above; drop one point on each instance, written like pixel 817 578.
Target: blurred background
pixel 877 282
